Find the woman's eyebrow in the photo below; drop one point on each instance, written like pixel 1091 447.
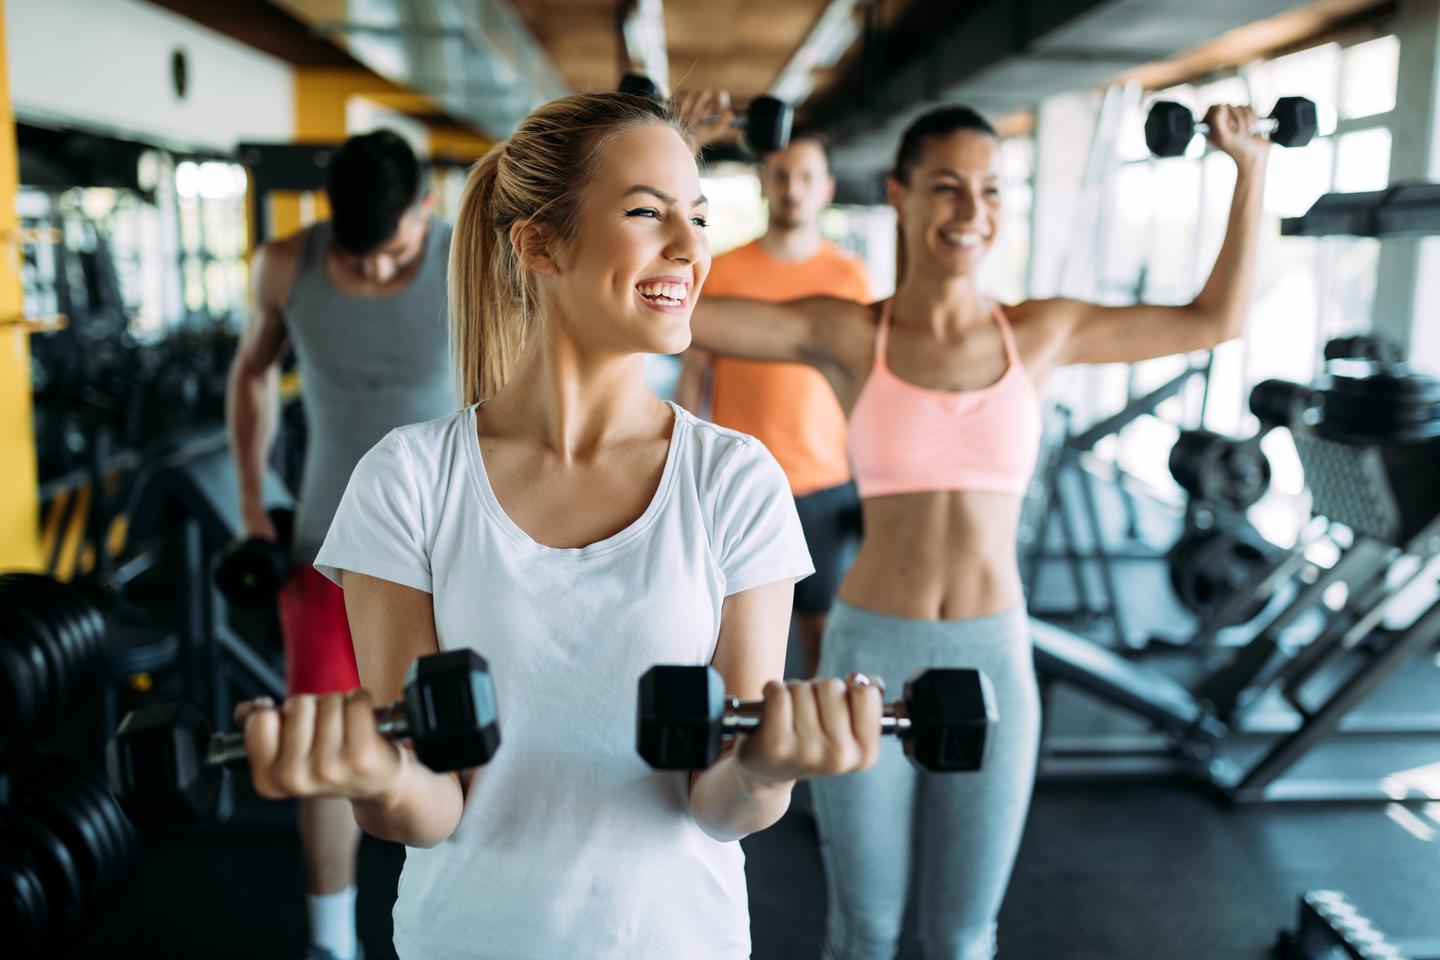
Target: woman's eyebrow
pixel 662 196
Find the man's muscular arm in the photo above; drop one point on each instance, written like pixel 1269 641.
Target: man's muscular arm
pixel 252 398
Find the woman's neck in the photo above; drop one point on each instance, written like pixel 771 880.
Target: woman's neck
pixel 575 401
pixel 945 304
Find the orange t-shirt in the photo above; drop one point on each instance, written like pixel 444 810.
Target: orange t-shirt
pixel 789 407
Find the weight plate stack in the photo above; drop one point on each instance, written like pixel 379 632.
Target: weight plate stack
pixel 66 852
pixel 52 654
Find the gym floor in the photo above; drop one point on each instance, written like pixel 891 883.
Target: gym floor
pixel 1115 871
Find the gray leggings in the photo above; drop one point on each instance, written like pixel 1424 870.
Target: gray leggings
pixel 948 840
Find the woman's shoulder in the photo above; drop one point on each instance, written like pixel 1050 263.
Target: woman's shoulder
pixel 428 444
pixel 719 456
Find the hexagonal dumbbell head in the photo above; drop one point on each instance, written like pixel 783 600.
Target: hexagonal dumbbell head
pixel 767 124
pixel 450 709
pixel 157 765
pixel 681 711
pixel 1296 122
pixel 1169 128
pixel 951 712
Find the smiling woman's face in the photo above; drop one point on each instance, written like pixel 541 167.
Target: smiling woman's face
pixel 950 209
pixel 629 278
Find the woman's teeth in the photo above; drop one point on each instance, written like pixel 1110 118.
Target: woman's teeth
pixel 669 294
pixel 967 239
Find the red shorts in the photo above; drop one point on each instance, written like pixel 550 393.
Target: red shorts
pixel 319 654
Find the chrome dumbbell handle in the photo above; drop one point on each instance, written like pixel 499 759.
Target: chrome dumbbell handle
pixel 742 716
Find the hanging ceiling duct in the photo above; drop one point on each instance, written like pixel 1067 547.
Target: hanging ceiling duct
pixel 475 58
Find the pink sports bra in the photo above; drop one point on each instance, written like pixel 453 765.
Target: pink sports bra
pixel 910 439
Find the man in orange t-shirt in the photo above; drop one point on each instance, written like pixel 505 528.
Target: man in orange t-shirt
pixel 790 407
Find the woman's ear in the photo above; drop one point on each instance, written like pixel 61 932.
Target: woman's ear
pixel 895 194
pixel 534 246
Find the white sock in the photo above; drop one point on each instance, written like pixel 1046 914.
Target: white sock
pixel 332 922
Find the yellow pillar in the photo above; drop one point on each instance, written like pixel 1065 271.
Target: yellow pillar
pixel 457 143
pixel 19 481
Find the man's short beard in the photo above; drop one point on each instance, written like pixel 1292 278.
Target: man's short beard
pixel 786 221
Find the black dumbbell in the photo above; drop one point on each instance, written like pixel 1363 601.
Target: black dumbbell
pixel 766 122
pixel 1171 126
pixel 166 767
pixel 250 572
pixel 685 717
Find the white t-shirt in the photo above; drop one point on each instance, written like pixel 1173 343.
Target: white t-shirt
pixel 570 846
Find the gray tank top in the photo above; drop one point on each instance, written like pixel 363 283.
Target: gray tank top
pixel 366 367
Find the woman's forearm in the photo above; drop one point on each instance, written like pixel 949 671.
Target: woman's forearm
pixel 752 329
pixel 1225 299
pixel 421 810
pixel 729 804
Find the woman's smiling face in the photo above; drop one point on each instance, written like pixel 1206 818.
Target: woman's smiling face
pixel 629 278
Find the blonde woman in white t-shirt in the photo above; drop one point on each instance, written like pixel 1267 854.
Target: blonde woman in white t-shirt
pixel 573 529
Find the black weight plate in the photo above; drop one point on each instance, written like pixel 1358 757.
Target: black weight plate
pixel 26 637
pixel 51 776
pixel 67 609
pixel 67 815
pixel 1388 388
pixel 79 612
pixel 76 621
pixel 46 630
pixel 56 864
pixel 1205 566
pixel 120 835
pixel 24 911
pixel 18 695
pixel 1342 407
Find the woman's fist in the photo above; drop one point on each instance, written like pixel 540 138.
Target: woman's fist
pixel 318 746
pixel 815 728
pixel 1232 130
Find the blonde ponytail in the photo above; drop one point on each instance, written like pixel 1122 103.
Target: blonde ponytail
pixel 538 176
pixel 488 316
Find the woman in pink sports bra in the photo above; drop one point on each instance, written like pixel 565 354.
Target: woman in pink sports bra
pixel 942 387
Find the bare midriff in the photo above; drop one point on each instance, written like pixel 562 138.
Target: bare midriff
pixel 945 555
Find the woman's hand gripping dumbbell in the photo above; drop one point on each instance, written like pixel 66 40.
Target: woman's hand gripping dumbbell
pixel 166 766
pixel 685 719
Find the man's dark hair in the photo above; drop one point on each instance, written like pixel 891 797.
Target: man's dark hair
pixel 372 180
pixel 811 136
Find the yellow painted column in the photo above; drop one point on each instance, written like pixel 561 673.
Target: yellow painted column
pixel 19 482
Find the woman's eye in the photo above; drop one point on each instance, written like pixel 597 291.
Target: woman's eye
pixel 946 188
pixel 700 222
pixel 644 212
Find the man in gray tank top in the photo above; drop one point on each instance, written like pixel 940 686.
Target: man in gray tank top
pixel 361 298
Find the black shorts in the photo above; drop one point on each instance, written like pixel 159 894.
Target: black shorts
pixel 831 521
